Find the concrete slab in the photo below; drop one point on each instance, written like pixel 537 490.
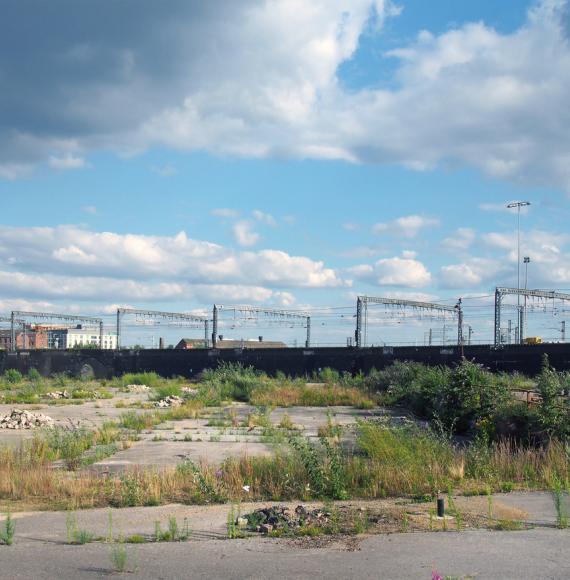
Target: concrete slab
pixel 168 453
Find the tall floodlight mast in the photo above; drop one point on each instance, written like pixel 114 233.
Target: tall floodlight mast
pixel 518 205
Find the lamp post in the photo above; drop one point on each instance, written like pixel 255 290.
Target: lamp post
pixel 518 205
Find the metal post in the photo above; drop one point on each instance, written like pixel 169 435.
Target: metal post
pixel 563 330
pixel 118 328
pixel 358 332
pixel 308 341
pixel 470 335
pixel 521 325
pixel 215 327
pixel 497 318
pixel 101 335
pixel 430 337
pixel 206 333
pixel 459 323
pixel 509 331
pixel 12 332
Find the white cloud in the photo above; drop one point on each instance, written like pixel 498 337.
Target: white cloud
pixel 261 79
pixel 90 209
pixel 68 161
pixel 244 234
pixel 395 271
pixel 407 226
pixel 73 251
pixel 264 218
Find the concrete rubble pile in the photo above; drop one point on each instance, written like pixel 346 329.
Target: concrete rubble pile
pixel 21 419
pixel 267 520
pixel 170 401
pixel 58 395
pixel 138 388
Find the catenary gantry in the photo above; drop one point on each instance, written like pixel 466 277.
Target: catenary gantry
pixel 187 319
pixel 363 301
pixel 20 316
pixel 501 292
pixel 271 313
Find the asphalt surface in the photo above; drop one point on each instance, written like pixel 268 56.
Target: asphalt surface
pixel 538 554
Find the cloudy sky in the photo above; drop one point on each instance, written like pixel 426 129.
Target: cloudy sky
pixel 280 152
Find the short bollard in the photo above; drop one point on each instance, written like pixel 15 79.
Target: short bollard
pixel 440 508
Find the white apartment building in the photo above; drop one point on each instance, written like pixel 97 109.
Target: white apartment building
pixel 77 337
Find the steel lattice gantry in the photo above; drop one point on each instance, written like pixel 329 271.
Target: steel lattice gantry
pixel 268 312
pixel 52 316
pixel 363 301
pixel 171 316
pixel 500 292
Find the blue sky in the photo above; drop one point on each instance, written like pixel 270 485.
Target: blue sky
pixel 286 155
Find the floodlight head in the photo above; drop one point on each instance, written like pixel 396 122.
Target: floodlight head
pixel 518 204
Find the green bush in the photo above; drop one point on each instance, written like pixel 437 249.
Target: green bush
pixel 34 375
pixel 470 396
pixel 230 381
pixel 553 413
pixel 13 376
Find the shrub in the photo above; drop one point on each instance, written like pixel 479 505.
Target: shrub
pixel 34 375
pixel 13 376
pixel 553 414
pixel 469 396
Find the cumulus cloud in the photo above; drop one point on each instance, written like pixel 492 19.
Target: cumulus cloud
pixel 407 226
pixel 175 261
pixel 406 272
pixel 260 78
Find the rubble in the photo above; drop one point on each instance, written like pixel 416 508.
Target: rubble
pixel 58 395
pixel 137 388
pixel 22 419
pixel 267 520
pixel 170 401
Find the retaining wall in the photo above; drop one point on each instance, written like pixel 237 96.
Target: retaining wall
pixel 292 361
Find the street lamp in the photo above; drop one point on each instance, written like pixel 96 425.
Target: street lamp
pixel 518 205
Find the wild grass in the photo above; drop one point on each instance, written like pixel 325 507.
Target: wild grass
pixel 311 395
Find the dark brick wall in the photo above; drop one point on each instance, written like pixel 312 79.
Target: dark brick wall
pixel 293 361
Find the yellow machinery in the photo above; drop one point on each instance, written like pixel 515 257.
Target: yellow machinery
pixel 532 340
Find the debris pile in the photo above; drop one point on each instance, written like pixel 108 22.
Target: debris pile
pixel 170 401
pixel 137 388
pixel 58 395
pixel 21 419
pixel 267 520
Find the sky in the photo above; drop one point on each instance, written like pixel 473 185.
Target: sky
pixel 283 153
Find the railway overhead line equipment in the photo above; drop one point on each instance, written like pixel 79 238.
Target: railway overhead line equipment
pixel 183 319
pixel 257 314
pixel 362 303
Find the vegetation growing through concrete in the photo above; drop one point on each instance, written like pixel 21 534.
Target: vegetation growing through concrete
pixel 507 444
